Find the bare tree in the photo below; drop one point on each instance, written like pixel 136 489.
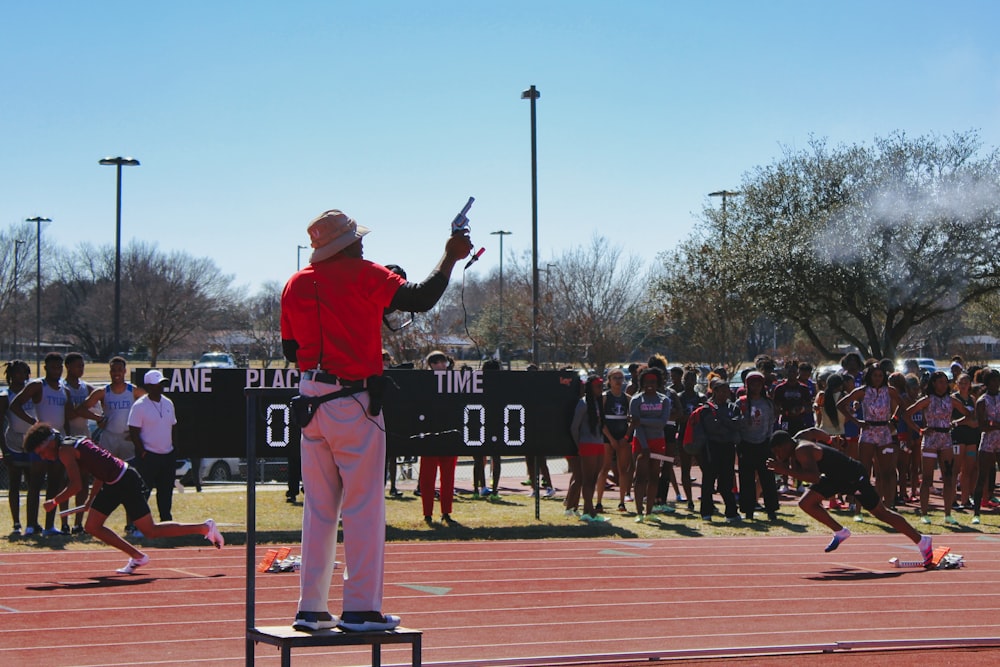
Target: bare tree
pixel 80 300
pixel 165 298
pixel 15 292
pixel 593 309
pixel 168 297
pixel 258 319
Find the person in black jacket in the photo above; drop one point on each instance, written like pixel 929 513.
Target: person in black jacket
pixel 721 423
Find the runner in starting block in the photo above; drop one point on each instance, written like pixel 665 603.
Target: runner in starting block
pixel 829 472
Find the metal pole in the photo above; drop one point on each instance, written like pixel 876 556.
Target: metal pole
pixel 501 234
pixel 298 263
pixel 532 94
pixel 38 220
pixel 118 263
pixel 118 162
pixel 725 194
pixel 17 247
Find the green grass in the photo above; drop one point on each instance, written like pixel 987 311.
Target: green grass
pixel 510 517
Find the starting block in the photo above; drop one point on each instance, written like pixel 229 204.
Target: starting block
pixel 942 559
pixel 271 556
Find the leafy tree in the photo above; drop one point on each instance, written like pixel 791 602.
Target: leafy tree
pixel 866 242
pixel 709 319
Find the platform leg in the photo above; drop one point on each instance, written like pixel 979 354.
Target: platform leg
pixel 376 655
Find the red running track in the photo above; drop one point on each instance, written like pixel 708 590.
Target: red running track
pixel 520 603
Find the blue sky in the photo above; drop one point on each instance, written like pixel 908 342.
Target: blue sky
pixel 250 118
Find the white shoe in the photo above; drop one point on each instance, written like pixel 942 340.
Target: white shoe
pixel 213 535
pixel 133 565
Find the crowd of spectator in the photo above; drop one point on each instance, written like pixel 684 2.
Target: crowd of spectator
pixel 912 430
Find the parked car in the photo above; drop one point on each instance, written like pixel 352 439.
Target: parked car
pixel 216 360
pixel 212 470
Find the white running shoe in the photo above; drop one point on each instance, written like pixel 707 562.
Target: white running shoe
pixel 213 535
pixel 133 565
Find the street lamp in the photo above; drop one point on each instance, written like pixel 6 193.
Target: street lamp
pixel 38 220
pixel 725 194
pixel 548 297
pixel 17 247
pixel 501 234
pixel 298 265
pixel 532 94
pixel 118 162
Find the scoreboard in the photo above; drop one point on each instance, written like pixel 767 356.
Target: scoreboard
pixel 427 413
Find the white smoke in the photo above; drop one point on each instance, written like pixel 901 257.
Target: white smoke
pixel 899 211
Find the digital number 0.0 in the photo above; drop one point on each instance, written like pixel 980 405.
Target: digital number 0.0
pixel 474 427
pixel 278 420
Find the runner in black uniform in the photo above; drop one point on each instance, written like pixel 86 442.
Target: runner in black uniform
pixel 830 472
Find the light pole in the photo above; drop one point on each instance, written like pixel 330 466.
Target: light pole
pixel 38 220
pixel 724 279
pixel 501 234
pixel 725 194
pixel 532 94
pixel 17 247
pixel 119 162
pixel 548 297
pixel 298 264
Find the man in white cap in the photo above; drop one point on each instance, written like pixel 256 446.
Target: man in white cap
pixel 331 318
pixel 151 424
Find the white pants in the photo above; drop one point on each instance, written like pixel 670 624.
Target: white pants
pixel 343 469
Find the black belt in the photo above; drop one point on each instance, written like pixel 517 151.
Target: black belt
pixel 330 378
pixel 938 429
pixel 868 423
